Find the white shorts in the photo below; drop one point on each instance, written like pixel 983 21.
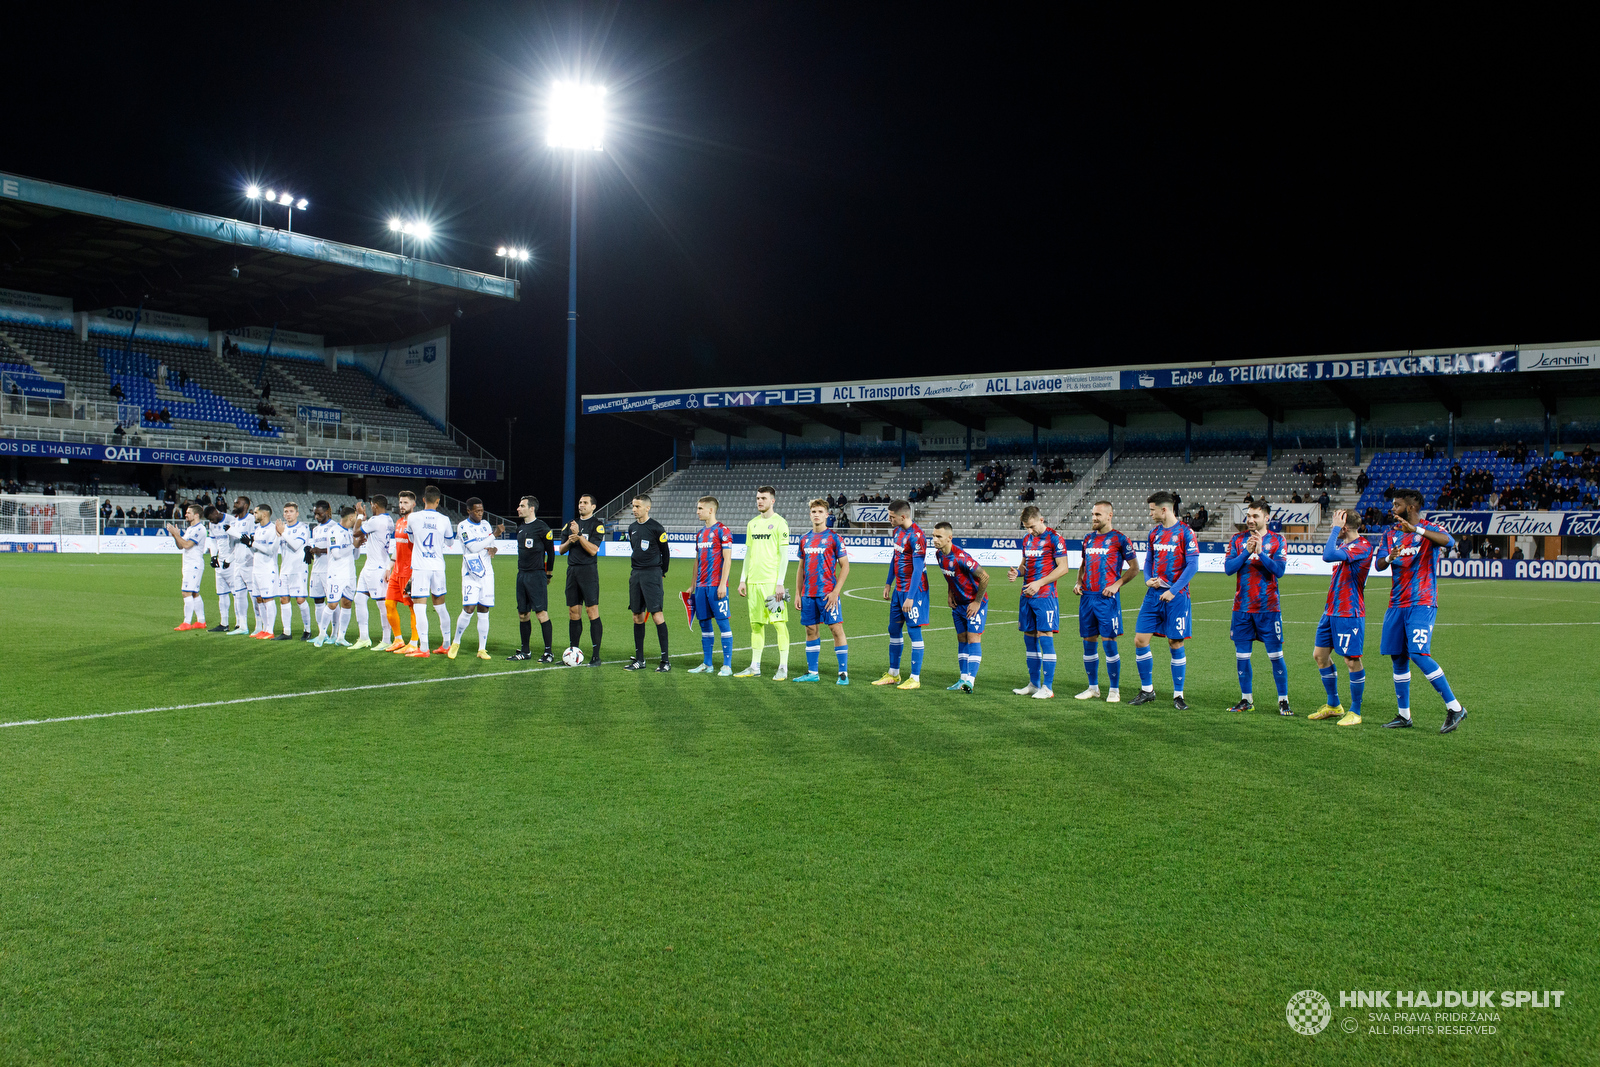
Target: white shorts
pixel 234 578
pixel 374 579
pixel 427 583
pixel 265 585
pixel 478 591
pixel 318 584
pixel 293 581
pixel 191 576
pixel 340 586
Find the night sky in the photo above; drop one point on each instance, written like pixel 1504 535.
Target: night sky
pixel 812 192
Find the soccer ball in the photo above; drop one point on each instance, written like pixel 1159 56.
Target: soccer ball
pixel 572 656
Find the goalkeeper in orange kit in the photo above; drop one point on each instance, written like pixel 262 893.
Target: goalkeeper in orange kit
pixel 400 578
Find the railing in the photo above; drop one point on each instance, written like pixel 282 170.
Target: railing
pixel 77 409
pixel 459 507
pixel 643 485
pixel 1085 485
pixel 359 436
pixel 473 449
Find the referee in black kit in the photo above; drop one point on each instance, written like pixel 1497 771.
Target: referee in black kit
pixel 580 542
pixel 536 560
pixel 651 555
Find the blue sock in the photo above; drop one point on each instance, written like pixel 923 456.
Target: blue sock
pixel 705 641
pixel 1179 663
pixel 1145 660
pixel 1435 674
pixel 813 653
pixel 1247 674
pixel 727 646
pixel 1402 684
pixel 916 650
pixel 1358 686
pixel 1113 664
pixel 842 654
pixel 896 644
pixel 1091 662
pixel 1031 643
pixel 1330 682
pixel 1047 661
pixel 1280 673
pixel 974 658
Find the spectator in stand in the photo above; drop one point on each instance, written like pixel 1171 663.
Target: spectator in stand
pixel 120 513
pixel 116 391
pixel 1427 449
pixel 1295 499
pixel 118 432
pixel 261 424
pixel 1455 474
pixel 49 488
pixel 1361 481
pixel 1201 518
pixel 1323 501
pixel 1335 479
pixel 1249 499
pixel 1520 453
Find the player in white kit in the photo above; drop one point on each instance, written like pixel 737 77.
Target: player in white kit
pixel 340 579
pixel 294 568
pixel 265 587
pixel 429 532
pixel 321 523
pixel 192 543
pixel 221 553
pixel 477 576
pixel 378 529
pixel 240 524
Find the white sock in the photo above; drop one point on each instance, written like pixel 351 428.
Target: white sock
pixel 363 627
pixel 341 622
pixel 1405 713
pixel 188 611
pixel 383 617
pixel 461 627
pixel 483 630
pixel 288 615
pixel 322 619
pixel 419 627
pixel 444 621
pixel 241 611
pixel 305 616
pixel 199 610
pixel 222 608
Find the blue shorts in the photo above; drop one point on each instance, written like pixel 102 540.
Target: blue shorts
pixel 1165 618
pixel 707 605
pixel 814 611
pixel 1099 615
pixel 966 624
pixel 1263 626
pixel 1408 631
pixel 917 616
pixel 1346 636
pixel 1039 614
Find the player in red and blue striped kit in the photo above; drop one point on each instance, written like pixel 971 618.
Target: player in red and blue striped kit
pixel 907 594
pixel 1101 576
pixel 1044 559
pixel 968 599
pixel 824 565
pixel 1344 617
pixel 1257 557
pixel 713 553
pixel 1409 548
pixel 1171 560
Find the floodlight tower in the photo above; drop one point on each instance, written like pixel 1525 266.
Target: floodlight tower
pixel 577 122
pixel 283 198
pixel 510 254
pixel 417 229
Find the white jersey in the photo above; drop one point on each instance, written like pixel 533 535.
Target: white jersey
pixel 218 531
pixel 238 526
pixel 341 557
pixel 264 549
pixel 320 535
pixel 194 555
pixel 292 547
pixel 476 537
pixel 428 532
pixel 380 531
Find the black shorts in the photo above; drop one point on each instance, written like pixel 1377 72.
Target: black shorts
pixel 533 592
pixel 645 595
pixel 583 586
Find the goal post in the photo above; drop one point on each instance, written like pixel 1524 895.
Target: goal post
pixel 34 515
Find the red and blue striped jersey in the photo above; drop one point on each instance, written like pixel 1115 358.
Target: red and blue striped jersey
pixel 1414 581
pixel 1347 592
pixel 1041 554
pixel 1104 555
pixel 961 571
pixel 1256 586
pixel 1169 552
pixel 820 554
pixel 710 564
pixel 910 547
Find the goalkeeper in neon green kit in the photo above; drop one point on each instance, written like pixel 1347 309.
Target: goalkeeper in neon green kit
pixel 766 561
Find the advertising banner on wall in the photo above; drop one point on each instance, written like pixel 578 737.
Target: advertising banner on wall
pixel 1288 514
pixel 35 309
pixel 242 461
pixel 417 368
pixel 153 325
pixel 1519 523
pixel 290 344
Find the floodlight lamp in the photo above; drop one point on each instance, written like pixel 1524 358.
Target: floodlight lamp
pixel 423 231
pixel 394 225
pixel 501 251
pixel 285 199
pixel 252 192
pixel 271 195
pixel 577 116
pixel 302 203
pixel 522 254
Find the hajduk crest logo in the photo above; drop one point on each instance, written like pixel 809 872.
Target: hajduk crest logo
pixel 1308 1012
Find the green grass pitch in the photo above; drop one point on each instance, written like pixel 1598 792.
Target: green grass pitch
pixel 592 866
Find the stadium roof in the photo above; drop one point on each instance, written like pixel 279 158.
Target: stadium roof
pixel 103 250
pixel 1357 382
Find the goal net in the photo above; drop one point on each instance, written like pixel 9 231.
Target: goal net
pixel 24 515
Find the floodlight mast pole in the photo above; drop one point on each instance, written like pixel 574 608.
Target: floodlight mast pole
pixel 569 453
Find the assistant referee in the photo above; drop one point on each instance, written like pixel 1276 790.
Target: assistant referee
pixel 536 561
pixel 651 556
